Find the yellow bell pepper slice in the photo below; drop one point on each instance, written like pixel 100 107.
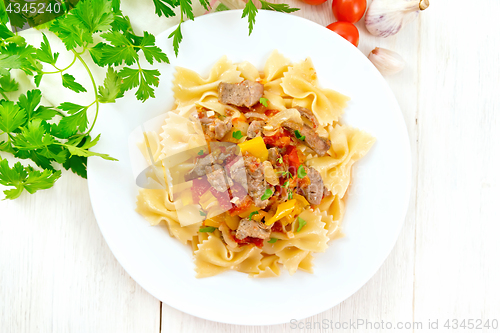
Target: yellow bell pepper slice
pixel 301 199
pixel 283 210
pixel 212 223
pixel 256 147
pixel 231 221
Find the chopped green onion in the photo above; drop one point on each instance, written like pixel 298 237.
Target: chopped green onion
pixel 264 101
pixel 252 214
pixel 207 229
pixel 273 240
pixel 237 135
pixel 299 136
pixel 267 194
pixel 302 223
pixel 301 173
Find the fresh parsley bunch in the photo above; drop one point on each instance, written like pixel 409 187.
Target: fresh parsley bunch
pixel 51 136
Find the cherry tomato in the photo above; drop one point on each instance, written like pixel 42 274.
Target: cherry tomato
pixel 346 30
pixel 349 10
pixel 314 2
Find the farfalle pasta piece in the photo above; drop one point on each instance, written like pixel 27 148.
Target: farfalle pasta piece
pixel 336 171
pixel 189 86
pixel 268 267
pixel 275 66
pixel 248 71
pixel 312 236
pixel 213 257
pixel 180 134
pixel 326 104
pixel 156 207
pixel 331 211
pixel 291 258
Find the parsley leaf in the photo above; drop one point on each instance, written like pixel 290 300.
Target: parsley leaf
pixel 177 34
pixel 34 136
pixel 7 84
pixel 264 101
pixel 151 51
pixel 301 172
pixel 186 8
pixel 144 78
pixel 11 116
pixel 299 136
pixel 273 240
pixel 83 151
pixel 111 90
pixel 201 152
pixel 221 7
pixel 251 11
pixel 25 178
pixel 69 82
pixel 9 62
pixel 29 103
pixel 237 135
pixel 162 7
pixel 252 214
pixel 44 53
pixel 278 7
pixel 267 194
pixel 77 164
pixel 76 121
pixel 302 223
pixel 202 213
pixel 207 229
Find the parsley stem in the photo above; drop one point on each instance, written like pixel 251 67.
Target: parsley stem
pixel 61 70
pixel 4 96
pixel 96 101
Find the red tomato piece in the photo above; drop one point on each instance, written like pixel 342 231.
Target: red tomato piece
pixel 346 30
pixel 200 186
pixel 348 10
pixel 293 159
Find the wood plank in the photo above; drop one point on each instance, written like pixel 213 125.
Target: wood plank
pixel 458 251
pixel 58 274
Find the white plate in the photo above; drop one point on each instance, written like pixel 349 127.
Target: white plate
pixel 377 201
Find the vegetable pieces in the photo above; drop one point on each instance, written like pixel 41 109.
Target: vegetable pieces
pixel 256 147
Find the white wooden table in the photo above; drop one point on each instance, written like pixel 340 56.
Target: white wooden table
pixel 58 275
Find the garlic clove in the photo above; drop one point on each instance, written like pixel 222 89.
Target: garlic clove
pixel 385 18
pixel 387 62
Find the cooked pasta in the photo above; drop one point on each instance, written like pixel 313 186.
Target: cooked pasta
pixel 255 167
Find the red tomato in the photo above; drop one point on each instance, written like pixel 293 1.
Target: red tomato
pixel 314 2
pixel 348 10
pixel 346 30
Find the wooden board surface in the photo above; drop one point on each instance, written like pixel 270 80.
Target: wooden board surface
pixel 58 275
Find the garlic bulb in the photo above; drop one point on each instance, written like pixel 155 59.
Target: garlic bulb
pixel 387 62
pixel 386 17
